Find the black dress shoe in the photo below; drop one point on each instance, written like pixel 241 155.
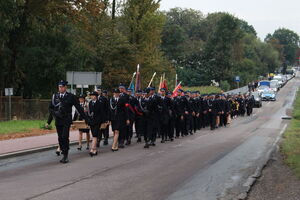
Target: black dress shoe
pixel 57 153
pixel 93 154
pixel 113 150
pixel 105 142
pixel 172 139
pixel 139 140
pixel 64 159
pixel 146 146
pixel 79 148
pixel 152 144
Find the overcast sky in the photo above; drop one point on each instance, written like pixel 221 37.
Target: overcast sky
pixel 265 15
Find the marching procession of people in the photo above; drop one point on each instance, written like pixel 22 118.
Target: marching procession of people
pixel 152 115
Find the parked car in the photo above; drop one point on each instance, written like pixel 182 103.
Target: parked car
pixel 280 80
pixel 261 88
pixel 257 99
pixel 268 95
pixel 275 85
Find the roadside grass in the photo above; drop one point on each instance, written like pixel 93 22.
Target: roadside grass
pixel 290 146
pixel 204 89
pixel 20 126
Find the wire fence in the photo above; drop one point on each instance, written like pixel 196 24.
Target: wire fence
pixel 23 109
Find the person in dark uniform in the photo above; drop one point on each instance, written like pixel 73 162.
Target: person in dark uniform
pixel 61 109
pixel 249 104
pixel 116 118
pixel 149 106
pixel 212 111
pixel 138 117
pixel 124 118
pixel 102 98
pixel 78 117
pixel 181 109
pixel 171 126
pixel 97 116
pixel 204 111
pixel 165 103
pixel 105 132
pixel 131 111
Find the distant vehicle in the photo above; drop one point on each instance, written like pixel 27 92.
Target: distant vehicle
pixel 261 88
pixel 280 80
pixel 257 100
pixel 274 85
pixel 268 95
pixel 264 82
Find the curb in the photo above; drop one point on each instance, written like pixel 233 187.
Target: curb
pixel 33 150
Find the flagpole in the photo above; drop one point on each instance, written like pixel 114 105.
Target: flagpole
pixel 176 80
pixel 151 79
pixel 160 83
pixel 137 78
pixel 133 75
pixel 176 87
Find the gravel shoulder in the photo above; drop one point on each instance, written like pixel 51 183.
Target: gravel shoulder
pixel 278 182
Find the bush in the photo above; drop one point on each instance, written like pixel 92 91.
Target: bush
pixel 225 86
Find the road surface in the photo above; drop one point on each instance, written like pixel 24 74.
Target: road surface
pixel 206 166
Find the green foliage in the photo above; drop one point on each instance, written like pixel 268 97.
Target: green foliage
pixel 19 126
pixel 41 40
pixel 224 85
pixel 204 89
pixel 287 42
pixel 290 146
pixel 221 48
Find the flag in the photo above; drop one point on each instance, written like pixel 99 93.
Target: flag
pixel 137 79
pixel 160 83
pixel 131 86
pixel 175 93
pixel 164 85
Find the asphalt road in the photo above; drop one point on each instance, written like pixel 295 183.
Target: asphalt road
pixel 207 165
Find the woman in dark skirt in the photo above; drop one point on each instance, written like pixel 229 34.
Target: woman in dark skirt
pixel 95 114
pixel 114 119
pixel 77 116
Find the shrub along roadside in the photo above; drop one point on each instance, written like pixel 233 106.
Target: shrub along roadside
pixel 290 146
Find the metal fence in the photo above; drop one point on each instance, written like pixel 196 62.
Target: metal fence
pixel 23 108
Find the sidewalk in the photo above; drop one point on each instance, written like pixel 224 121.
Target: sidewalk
pixel 34 144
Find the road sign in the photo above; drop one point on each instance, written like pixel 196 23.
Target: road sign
pixel 82 86
pixel 84 78
pixel 9 91
pixel 237 79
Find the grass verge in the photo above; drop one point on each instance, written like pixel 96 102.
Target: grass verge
pixel 290 146
pixel 20 126
pixel 204 89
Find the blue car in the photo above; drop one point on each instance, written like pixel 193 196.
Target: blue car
pixel 268 95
